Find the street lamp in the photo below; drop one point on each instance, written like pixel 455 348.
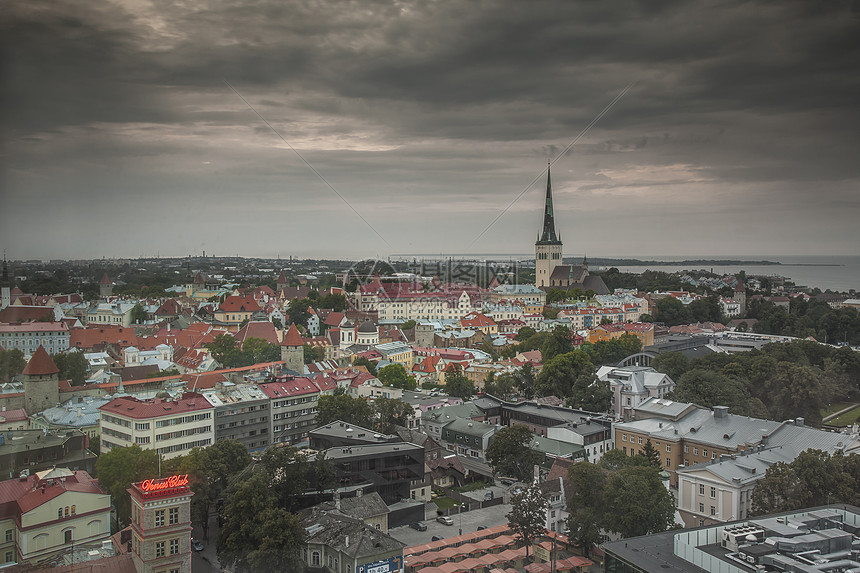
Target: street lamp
pixel 460 512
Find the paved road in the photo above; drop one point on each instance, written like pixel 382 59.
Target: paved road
pixel 488 517
pixel 205 561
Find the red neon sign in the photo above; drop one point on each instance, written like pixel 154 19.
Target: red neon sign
pixel 164 483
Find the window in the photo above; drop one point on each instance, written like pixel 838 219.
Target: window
pixel 159 549
pixel 159 518
pixel 67 536
pixel 174 546
pixel 623 437
pixel 8 536
pixel 668 462
pixel 315 558
pixel 73 510
pixel 174 516
pixel 668 448
pixel 695 451
pixel 713 510
pixel 59 513
pixel 705 453
pixel 639 440
pixel 67 511
pixel 8 557
pixel 686 449
pixel 713 493
pixel 701 508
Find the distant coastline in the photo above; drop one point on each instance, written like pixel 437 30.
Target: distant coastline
pixel 691 262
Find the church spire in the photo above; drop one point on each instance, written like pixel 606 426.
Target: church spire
pixel 548 235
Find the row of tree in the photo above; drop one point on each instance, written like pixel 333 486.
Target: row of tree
pixel 779 382
pixel 807 318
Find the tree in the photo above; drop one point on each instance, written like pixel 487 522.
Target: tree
pixel 528 514
pixel 559 374
pixel 73 367
pixel 223 348
pixel 674 364
pixel 298 311
pixel 813 478
pixel 256 350
pixel 509 452
pixel 11 364
pixel 456 384
pixel 585 504
pixel 118 468
pixel 325 476
pixel 277 322
pixel 559 342
pixel 408 325
pixel 367 363
pixel 312 354
pixel 501 386
pixel 672 311
pixel 270 540
pixel 396 376
pixel 346 409
pixel 652 455
pixel 138 315
pixel 637 502
pixel 525 333
pixel 708 388
pixel 524 380
pixel 391 412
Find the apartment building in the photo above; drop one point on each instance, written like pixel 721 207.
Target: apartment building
pixel 172 427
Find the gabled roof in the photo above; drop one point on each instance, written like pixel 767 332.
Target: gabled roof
pixel 40 364
pixel 257 329
pixel 235 303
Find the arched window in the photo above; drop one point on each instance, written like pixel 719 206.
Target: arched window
pixel 67 511
pixel 59 513
pixel 315 558
pixel 73 510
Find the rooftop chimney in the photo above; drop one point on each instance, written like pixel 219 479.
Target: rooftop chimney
pixel 721 411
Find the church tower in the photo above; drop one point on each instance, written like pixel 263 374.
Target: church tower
pixel 548 246
pixel 5 287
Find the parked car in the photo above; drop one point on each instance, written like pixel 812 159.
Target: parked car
pixel 506 481
pixel 517 490
pixel 445 520
pixel 436 538
pixel 481 527
pixel 196 545
pixel 488 496
pixel 418 525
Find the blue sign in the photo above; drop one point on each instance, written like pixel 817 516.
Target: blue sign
pixel 390 565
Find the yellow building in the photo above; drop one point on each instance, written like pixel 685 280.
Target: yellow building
pixel 50 513
pixel 644 331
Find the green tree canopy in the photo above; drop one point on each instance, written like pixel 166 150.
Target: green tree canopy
pixel 11 364
pixel 73 366
pixel 391 412
pixel 346 409
pixel 674 364
pixel 138 315
pixel 456 384
pixel 509 453
pixel 637 503
pixel 118 468
pixel 813 478
pixel 408 325
pixel 396 376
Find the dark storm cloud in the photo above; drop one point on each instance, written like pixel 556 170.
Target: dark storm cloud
pixel 418 107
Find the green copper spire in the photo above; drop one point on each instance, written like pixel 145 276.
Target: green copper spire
pixel 548 235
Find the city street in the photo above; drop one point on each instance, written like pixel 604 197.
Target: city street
pixel 205 561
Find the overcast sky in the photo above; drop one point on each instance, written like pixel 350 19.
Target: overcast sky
pixel 120 137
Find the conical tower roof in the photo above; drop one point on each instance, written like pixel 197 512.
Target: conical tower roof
pixel 40 364
pixel 105 279
pixel 292 337
pixel 548 235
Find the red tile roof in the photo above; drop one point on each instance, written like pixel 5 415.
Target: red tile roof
pixel 296 386
pixel 86 338
pixel 131 407
pixel 292 337
pixel 105 280
pixel 40 364
pixel 16 415
pixel 26 313
pixel 334 319
pixel 257 329
pixel 235 303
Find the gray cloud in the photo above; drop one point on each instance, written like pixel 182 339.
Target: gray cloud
pixel 430 117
